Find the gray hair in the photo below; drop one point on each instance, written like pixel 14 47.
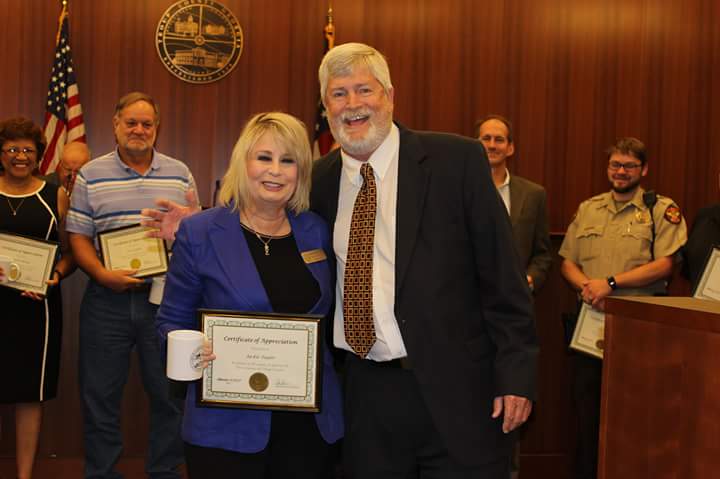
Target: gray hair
pixel 341 60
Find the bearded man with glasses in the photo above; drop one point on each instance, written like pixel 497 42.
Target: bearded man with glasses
pixel 622 242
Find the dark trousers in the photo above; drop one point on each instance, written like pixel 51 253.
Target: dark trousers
pixel 111 326
pixel 296 450
pixel 389 433
pixel 586 389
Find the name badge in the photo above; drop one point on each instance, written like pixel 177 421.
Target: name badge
pixel 313 256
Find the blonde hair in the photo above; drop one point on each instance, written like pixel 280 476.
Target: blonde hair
pixel 341 60
pixel 289 132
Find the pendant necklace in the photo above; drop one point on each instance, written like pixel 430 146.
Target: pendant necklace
pixel 269 238
pixel 266 244
pixel 14 209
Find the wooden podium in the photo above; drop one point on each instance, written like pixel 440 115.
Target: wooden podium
pixel 660 409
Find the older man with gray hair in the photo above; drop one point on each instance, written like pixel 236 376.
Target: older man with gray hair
pixel 436 322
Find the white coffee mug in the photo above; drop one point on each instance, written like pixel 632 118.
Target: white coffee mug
pixel 11 270
pixel 184 347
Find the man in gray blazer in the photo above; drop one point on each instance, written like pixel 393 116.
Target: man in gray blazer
pixel 525 203
pixel 524 200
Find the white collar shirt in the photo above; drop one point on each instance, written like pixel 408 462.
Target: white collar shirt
pixel 384 161
pixel 504 190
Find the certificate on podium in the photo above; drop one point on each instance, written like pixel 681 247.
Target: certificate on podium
pixel 263 361
pixel 589 335
pixel 130 248
pixel 709 285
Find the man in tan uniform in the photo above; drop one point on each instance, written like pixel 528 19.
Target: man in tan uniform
pixel 619 243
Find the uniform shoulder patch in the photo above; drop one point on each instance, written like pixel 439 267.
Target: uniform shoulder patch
pixel 672 214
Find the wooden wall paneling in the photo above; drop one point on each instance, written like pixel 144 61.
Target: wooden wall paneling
pixel 405 36
pixel 556 161
pixel 632 76
pixel 581 169
pixel 350 24
pixel 571 74
pixel 678 69
pixel 488 55
pixel 306 42
pixel 701 157
pixel 533 51
pixel 28 28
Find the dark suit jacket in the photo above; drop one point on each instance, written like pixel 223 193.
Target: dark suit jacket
pixel 704 234
pixel 212 268
pixel 461 299
pixel 528 216
pixel 52 178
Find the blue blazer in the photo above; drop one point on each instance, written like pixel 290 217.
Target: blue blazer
pixel 212 267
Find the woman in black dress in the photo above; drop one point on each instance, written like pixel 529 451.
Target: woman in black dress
pixel 32 322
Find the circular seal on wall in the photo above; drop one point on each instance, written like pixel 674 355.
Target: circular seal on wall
pixel 199 41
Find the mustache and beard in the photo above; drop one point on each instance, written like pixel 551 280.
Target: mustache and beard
pixel 379 124
pixel 630 183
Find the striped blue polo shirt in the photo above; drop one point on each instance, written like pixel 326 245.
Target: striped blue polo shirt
pixel 109 194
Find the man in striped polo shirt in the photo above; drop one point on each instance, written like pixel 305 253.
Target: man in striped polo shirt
pixel 116 315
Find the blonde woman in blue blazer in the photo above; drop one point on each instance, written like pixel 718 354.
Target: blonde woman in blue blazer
pixel 246 255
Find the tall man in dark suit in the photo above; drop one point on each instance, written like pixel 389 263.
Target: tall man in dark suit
pixel 525 203
pixel 524 200
pixel 438 324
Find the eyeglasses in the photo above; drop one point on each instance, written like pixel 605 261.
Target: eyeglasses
pixel 616 165
pixel 15 151
pixel 69 170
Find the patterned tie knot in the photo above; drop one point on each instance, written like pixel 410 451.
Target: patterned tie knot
pixel 366 171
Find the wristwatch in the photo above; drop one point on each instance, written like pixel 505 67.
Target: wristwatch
pixel 612 283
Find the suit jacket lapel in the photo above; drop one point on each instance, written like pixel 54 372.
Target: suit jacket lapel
pixel 328 188
pixel 237 263
pixel 412 185
pixel 517 199
pixel 307 241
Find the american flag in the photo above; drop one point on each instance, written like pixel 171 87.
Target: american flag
pixel 324 140
pixel 63 113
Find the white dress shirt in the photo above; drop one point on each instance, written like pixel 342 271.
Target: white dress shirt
pixel 384 161
pixel 504 190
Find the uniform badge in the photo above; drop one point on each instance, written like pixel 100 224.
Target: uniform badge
pixel 672 214
pixel 642 216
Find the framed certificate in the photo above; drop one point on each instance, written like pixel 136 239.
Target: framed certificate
pixel 589 335
pixel 30 262
pixel 709 285
pixel 129 248
pixel 264 361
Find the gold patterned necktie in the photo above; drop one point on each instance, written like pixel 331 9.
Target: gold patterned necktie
pixel 357 286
